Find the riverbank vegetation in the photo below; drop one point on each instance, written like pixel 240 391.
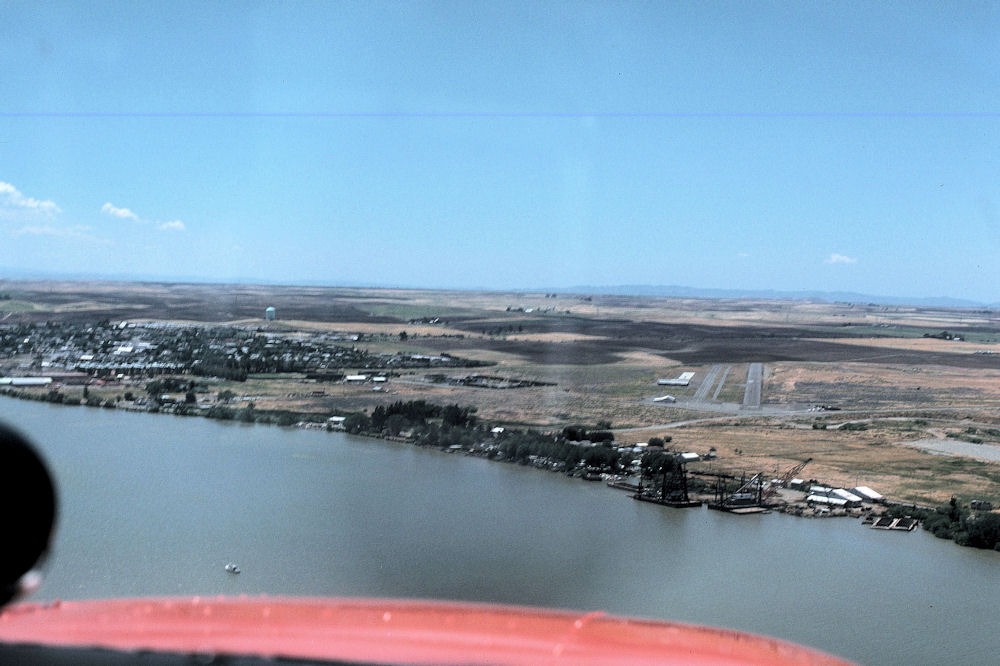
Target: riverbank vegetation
pixel 955 521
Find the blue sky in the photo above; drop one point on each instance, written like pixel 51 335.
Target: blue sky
pixel 792 146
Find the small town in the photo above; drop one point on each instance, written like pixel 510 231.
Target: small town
pixel 67 352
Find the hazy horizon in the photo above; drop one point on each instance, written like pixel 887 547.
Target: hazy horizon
pixel 650 290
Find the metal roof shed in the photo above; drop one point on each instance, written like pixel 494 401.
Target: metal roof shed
pixel 822 499
pixel 867 494
pixel 847 495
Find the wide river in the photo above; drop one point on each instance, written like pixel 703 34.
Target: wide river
pixel 156 505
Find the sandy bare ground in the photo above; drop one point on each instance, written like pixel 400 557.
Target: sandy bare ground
pixel 954 447
pixel 553 337
pixel 920 344
pixel 842 458
pixel 871 385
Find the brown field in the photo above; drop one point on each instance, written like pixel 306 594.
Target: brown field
pixel 917 344
pixel 604 355
pixel 841 458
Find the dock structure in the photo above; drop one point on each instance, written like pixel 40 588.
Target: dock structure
pixel 673 487
pixel 748 497
pixel 624 485
pixel 905 524
pixel 676 504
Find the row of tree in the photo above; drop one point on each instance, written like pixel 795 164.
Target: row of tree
pixel 450 425
pixel 400 416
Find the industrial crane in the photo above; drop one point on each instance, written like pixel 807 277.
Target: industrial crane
pixel 752 493
pixel 783 480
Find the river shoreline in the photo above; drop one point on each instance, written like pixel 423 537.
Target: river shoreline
pixel 614 481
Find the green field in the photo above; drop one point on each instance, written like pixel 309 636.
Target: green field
pixel 16 306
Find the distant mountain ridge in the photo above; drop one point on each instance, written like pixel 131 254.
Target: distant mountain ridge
pixel 677 291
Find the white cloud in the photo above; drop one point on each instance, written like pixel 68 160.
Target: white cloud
pixel 123 213
pixel 126 214
pixel 37 231
pixel 76 232
pixel 12 201
pixel 743 254
pixel 839 259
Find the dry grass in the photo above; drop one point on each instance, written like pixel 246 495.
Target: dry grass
pixel 871 385
pixel 918 344
pixel 844 458
pixel 552 337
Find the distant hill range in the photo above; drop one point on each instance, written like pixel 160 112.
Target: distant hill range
pixel 668 291
pixel 674 291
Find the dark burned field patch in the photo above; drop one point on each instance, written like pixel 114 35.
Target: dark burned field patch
pixel 874 396
pixel 205 303
pixel 589 352
pixel 696 344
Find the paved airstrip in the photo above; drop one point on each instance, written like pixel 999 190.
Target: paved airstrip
pixel 755 379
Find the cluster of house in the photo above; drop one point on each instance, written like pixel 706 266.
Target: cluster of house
pixel 148 349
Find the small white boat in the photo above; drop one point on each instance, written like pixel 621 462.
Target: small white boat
pixel 232 568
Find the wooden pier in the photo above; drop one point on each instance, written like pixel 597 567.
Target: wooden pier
pixel 676 504
pixel 738 510
pixel 906 524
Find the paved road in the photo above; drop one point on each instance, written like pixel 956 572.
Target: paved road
pixel 734 416
pixel 707 383
pixel 755 377
pixel 722 382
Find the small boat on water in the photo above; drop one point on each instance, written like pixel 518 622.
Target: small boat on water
pixel 232 568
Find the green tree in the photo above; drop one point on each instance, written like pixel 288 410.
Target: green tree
pixel 395 423
pixel 458 416
pixel 355 423
pixel 954 510
pixel 220 412
pixel 226 396
pixel 983 530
